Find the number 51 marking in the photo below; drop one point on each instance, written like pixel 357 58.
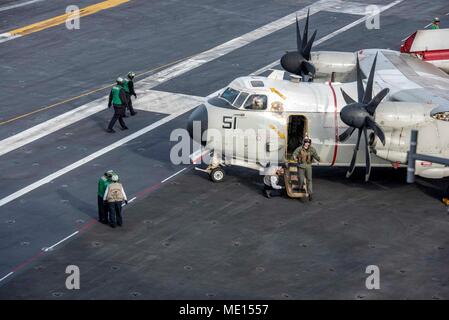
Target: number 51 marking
pixel 229 122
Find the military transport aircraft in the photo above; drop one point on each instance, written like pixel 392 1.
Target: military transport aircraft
pixel 403 91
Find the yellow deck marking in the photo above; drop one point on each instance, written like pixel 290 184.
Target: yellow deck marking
pixel 278 93
pixel 63 18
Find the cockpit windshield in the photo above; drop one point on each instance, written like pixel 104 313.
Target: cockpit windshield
pixel 230 95
pixel 234 97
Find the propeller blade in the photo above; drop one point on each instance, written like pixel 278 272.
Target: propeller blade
pixel 347 98
pixel 306 32
pixel 367 156
pixel 354 156
pixel 369 86
pixel 308 68
pixel 371 107
pixel 360 90
pixel 308 48
pixel 298 36
pixel 371 124
pixel 346 134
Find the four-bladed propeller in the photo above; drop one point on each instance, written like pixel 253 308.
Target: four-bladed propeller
pixel 360 115
pixel 297 62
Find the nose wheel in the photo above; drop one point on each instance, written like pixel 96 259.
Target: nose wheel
pixel 217 174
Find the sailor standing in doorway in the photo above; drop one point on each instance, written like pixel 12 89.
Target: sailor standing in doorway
pixel 305 155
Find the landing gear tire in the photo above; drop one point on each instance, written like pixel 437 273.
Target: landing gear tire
pixel 217 174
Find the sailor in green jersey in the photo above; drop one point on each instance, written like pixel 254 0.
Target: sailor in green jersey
pixel 436 23
pixel 103 210
pixel 117 98
pixel 128 86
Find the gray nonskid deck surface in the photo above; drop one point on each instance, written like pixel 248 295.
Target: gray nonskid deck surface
pixel 195 239
pixel 191 238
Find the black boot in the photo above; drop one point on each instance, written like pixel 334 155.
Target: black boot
pixel 110 130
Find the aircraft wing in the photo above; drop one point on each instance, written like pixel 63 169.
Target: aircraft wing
pixel 409 78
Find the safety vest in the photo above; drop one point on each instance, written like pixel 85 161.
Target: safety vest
pixel 115 192
pixel 126 85
pixel 435 27
pixel 116 95
pixel 305 156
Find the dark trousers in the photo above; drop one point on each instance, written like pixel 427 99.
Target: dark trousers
pixel 115 213
pixel 102 210
pixel 119 112
pixel 272 192
pixel 130 104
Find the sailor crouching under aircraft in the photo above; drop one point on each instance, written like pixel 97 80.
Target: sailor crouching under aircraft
pixel 305 155
pixel 271 182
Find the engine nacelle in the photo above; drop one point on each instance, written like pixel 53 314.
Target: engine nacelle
pixel 397 119
pixel 397 115
pixel 326 62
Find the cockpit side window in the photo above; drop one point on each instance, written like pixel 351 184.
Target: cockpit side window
pixel 256 102
pixel 241 98
pixel 230 95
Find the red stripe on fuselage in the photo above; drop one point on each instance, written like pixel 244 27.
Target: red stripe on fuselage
pixel 435 55
pixel 336 124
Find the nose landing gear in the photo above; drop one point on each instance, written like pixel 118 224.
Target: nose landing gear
pixel 215 169
pixel 217 174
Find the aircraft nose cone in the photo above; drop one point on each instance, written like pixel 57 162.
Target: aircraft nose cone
pixel 197 124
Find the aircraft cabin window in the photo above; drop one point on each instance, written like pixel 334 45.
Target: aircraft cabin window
pixel 256 102
pixel 241 98
pixel 230 95
pixel 257 83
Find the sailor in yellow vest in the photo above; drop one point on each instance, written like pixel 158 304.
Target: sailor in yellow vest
pixel 115 196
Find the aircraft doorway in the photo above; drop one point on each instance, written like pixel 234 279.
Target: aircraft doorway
pixel 297 129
